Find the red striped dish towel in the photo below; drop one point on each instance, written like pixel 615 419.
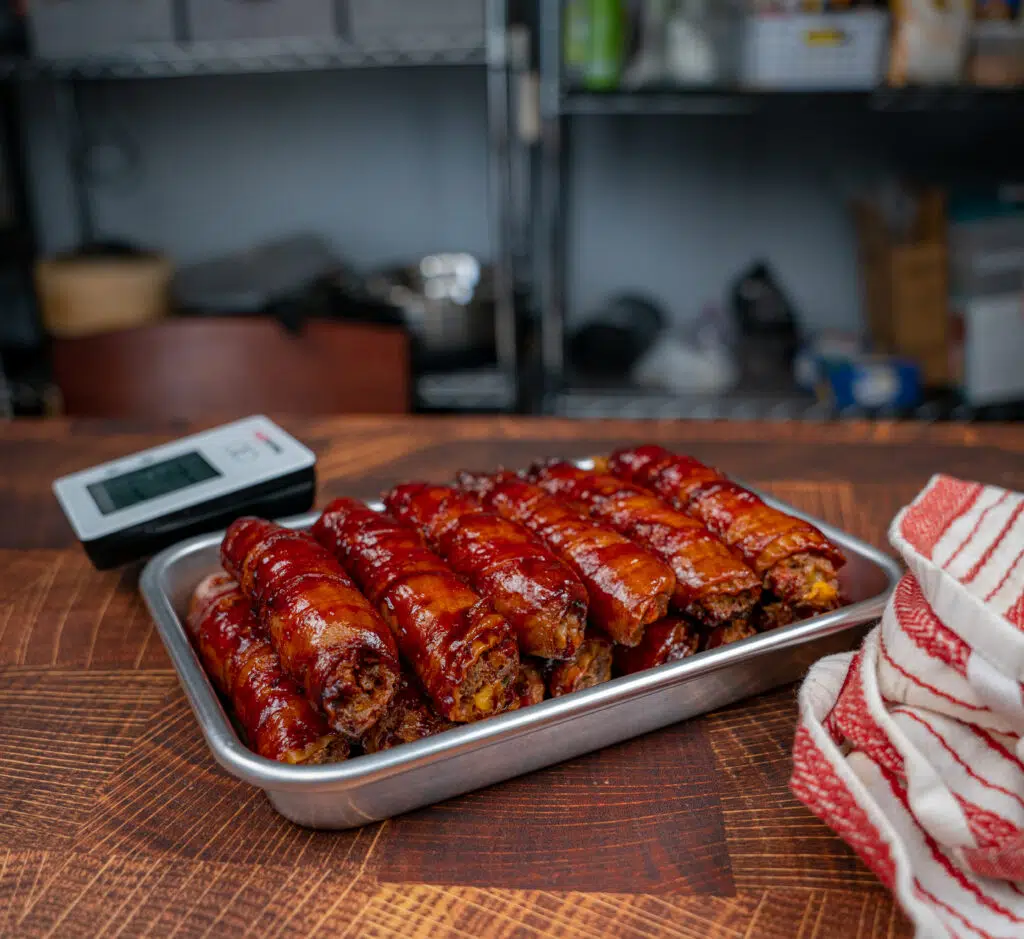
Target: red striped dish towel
pixel 910 748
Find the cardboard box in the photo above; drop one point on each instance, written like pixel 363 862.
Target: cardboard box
pixel 67 28
pixel 266 19
pixel 906 285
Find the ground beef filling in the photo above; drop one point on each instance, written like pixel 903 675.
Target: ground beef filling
pixel 773 614
pixel 592 666
pixel 723 607
pixel 729 633
pixel 486 688
pixel 564 638
pixel 529 686
pixel 595 665
pixel 807 581
pixel 356 712
pixel 335 752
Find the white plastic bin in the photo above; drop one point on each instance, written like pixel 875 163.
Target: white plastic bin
pixel 986 257
pixel 416 23
pixel 812 52
pixel 993 349
pixel 61 29
pixel 262 19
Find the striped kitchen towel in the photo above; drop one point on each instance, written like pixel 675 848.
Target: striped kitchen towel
pixel 910 748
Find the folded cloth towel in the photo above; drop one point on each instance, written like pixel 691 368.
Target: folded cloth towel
pixel 910 748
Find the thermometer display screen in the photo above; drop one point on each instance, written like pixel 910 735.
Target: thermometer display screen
pixel 151 482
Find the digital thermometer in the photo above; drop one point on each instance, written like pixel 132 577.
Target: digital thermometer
pixel 130 508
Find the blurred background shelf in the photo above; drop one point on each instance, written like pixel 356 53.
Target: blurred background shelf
pixel 476 390
pixel 729 102
pixel 624 402
pixel 241 57
pixel 90 116
pixel 871 199
pixel 641 404
pixel 388 129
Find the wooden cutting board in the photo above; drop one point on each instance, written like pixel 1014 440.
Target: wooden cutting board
pixel 114 819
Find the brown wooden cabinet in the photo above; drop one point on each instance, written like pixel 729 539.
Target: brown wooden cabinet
pixel 200 368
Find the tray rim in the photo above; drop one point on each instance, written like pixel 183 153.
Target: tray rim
pixel 235 757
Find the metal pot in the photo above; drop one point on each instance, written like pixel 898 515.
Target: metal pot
pixel 446 300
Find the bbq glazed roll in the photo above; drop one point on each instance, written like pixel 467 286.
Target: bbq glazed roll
pixel 794 560
pixel 530 688
pixel 628 587
pixel 668 640
pixel 464 654
pixel 712 584
pixel 731 632
pixel 276 720
pixel 330 639
pixel 591 666
pixel 773 613
pixel 409 717
pixel 542 599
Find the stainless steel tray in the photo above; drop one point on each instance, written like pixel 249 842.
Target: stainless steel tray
pixel 369 788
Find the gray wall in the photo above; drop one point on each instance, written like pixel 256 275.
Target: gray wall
pixel 389 164
pixel 386 164
pixel 679 206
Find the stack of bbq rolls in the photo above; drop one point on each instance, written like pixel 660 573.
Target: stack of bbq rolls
pixel 460 602
pixel 797 565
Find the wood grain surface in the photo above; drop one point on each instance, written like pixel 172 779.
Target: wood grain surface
pixel 115 821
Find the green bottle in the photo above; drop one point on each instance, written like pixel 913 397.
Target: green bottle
pixel 577 39
pixel 607 50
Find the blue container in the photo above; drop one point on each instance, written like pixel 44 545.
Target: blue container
pixel 874 381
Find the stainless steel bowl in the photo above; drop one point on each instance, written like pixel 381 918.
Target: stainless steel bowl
pixel 447 301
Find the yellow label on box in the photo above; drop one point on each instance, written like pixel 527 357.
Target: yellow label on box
pixel 825 37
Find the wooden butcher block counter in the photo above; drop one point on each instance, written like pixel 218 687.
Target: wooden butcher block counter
pixel 115 820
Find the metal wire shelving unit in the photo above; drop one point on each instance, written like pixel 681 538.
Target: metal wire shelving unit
pixel 241 57
pixel 498 388
pixel 561 105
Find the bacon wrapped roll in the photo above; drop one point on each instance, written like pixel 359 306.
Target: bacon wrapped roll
pixel 591 666
pixel 731 632
pixel 542 599
pixel 276 719
pixel 628 586
pixel 530 687
pixel 463 653
pixel 794 560
pixel 330 640
pixel 773 613
pixel 712 584
pixel 668 640
pixel 409 717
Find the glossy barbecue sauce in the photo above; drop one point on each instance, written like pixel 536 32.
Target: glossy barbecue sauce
pixel 330 639
pixel 540 596
pixel 275 717
pixel 628 586
pixel 729 510
pixel 463 653
pixel 702 564
pixel 668 640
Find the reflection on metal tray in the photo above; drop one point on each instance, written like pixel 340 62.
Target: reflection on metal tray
pixel 373 787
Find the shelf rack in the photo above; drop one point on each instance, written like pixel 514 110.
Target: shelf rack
pixel 241 57
pixel 261 57
pixel 739 102
pixel 638 404
pixel 561 104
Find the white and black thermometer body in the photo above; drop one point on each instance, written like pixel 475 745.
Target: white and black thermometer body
pixel 131 508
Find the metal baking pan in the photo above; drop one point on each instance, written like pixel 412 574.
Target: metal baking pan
pixel 369 788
